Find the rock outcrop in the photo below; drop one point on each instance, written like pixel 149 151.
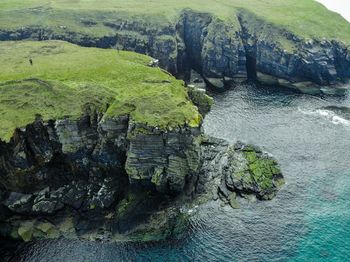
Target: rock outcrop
pixel 238 170
pixel 282 58
pixel 83 168
pixel 75 178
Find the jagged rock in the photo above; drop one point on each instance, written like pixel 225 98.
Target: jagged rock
pixel 164 159
pixel 74 195
pixel 47 202
pixel 19 203
pixel 48 206
pixel 106 195
pixel 241 170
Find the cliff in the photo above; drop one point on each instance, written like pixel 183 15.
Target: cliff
pixel 89 129
pixel 82 105
pixel 225 41
pixel 103 144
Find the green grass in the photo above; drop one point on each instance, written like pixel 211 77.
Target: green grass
pixel 65 78
pixel 306 18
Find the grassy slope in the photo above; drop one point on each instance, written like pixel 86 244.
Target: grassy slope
pixel 306 18
pixel 73 76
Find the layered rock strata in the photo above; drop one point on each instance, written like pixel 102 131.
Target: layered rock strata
pixel 73 178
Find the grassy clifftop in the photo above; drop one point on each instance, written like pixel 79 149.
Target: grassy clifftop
pixel 64 78
pixel 306 18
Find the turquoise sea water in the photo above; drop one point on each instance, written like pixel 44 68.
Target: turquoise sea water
pixel 309 220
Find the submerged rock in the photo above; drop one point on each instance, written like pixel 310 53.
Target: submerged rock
pixel 341 111
pixel 216 83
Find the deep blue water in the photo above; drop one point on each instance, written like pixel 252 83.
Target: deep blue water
pixel 309 220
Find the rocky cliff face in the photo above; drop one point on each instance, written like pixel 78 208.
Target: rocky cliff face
pixel 221 50
pixel 75 178
pixel 166 158
pixel 91 148
pixel 83 168
pixel 289 59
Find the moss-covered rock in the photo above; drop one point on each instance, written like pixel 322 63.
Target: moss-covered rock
pixel 240 171
pixel 257 174
pixel 26 230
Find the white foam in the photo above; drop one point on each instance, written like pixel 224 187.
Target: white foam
pixel 339 120
pixel 327 115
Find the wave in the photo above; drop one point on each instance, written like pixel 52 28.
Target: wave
pixel 327 115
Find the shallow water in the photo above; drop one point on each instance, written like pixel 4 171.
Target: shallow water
pixel 309 220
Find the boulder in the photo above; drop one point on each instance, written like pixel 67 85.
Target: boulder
pixel 217 83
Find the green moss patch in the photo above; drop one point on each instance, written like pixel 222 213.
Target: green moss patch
pixel 262 169
pixel 255 173
pixel 65 79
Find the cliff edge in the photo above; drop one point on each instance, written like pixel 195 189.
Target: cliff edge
pixel 295 44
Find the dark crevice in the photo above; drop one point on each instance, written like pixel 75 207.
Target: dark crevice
pixel 192 30
pixel 251 68
pixel 250 52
